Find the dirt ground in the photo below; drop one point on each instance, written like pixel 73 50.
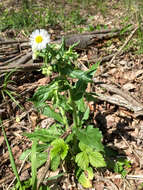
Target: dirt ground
pixel 118 111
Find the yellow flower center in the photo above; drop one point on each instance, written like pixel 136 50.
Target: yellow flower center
pixel 38 39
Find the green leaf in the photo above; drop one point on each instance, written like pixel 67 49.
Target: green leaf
pixel 60 148
pixel 84 147
pixel 62 102
pixel 82 75
pixel 34 165
pixel 55 162
pixel 41 158
pixel 89 97
pixel 86 114
pixel 25 154
pixel 90 72
pixel 91 137
pixel 44 135
pixel 52 114
pixel 82 160
pixel 44 93
pixel 81 105
pixel 96 159
pixel 78 91
pixel 84 179
pixel 54 177
pixel 69 138
pixel 90 173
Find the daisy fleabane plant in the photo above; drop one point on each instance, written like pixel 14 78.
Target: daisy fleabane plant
pixel 39 40
pixel 71 138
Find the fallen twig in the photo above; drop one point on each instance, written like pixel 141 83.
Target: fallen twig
pixel 132 177
pixel 123 99
pixel 12 41
pixel 126 42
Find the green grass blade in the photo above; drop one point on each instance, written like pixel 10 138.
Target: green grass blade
pixel 12 98
pixel 34 165
pixel 12 159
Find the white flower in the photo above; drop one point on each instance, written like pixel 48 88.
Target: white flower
pixel 39 39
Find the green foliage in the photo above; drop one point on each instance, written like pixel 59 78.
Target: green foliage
pixel 44 135
pixel 83 144
pixel 5 91
pixel 85 178
pixel 121 166
pixel 59 148
pixel 31 14
pixel 34 165
pixel 91 137
pixel 59 151
pixel 89 156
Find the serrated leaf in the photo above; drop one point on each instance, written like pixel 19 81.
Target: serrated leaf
pixel 90 173
pixel 82 160
pixel 85 181
pixel 55 162
pixel 44 135
pixel 52 114
pixel 96 159
pixel 91 137
pixel 84 147
pixel 60 148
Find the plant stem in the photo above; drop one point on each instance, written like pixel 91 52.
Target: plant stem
pixel 62 111
pixel 65 121
pixel 75 116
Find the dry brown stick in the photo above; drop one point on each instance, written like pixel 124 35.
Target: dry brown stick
pixel 13 59
pixel 45 170
pixel 27 67
pixel 123 99
pixel 126 42
pixel 102 59
pixel 103 31
pixel 123 93
pixel 132 177
pixel 24 59
pixel 5 58
pixel 12 41
pixel 21 61
pixel 114 100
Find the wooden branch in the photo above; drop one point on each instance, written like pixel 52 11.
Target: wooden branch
pixel 102 59
pixel 123 99
pixel 12 41
pixel 86 39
